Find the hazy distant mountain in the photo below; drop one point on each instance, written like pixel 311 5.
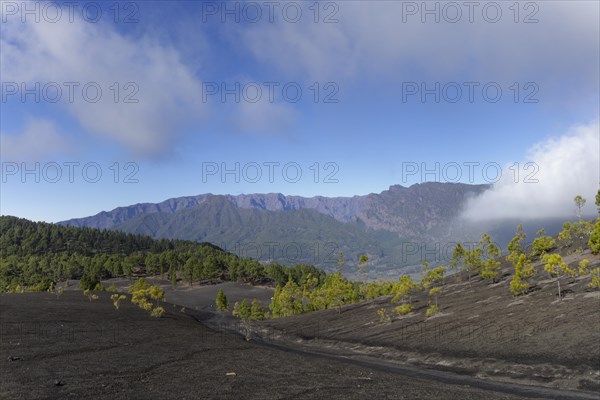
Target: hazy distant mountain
pixel 300 229
pixel 409 211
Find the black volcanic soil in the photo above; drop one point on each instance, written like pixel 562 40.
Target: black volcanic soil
pixel 198 297
pixel 71 348
pixel 481 331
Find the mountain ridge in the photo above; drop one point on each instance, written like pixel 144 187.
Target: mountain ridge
pixel 373 209
pixel 319 227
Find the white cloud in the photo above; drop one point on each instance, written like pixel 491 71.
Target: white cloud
pixel 263 117
pixel 372 43
pixel 169 96
pixel 39 141
pixel 568 165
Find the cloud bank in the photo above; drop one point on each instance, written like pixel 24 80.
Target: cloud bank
pixel 568 165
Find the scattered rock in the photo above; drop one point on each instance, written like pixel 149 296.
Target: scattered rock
pixel 13 358
pixel 58 382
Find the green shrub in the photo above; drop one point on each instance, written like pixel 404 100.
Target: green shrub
pixel 221 302
pixel 584 266
pixel 523 271
pixel 383 316
pixel 257 311
pixel 39 287
pixel 594 241
pixel 541 245
pixel 116 299
pixel 595 283
pixel 403 309
pixel 91 296
pixel 242 310
pixel 88 282
pixel 140 284
pixel 157 312
pixel 431 310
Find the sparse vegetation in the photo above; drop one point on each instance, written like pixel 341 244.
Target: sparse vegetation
pixel 91 296
pixel 142 293
pixel 157 312
pixel 383 316
pixel 301 288
pixel 584 266
pixel 404 309
pixel 594 241
pixel 116 299
pixel 432 278
pixel 58 290
pixel 431 310
pixel 595 283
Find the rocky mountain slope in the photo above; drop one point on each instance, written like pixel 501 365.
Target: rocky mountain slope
pixel 292 229
pixel 408 211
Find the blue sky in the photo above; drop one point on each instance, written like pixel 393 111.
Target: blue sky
pixel 370 59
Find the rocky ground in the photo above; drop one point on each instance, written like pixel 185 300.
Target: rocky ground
pixel 481 331
pixel 484 343
pixel 73 348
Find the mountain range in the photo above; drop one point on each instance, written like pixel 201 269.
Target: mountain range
pixel 290 229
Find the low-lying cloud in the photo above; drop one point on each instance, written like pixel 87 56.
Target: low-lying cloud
pixel 568 166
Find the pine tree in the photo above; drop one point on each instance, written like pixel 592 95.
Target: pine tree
pixel 556 267
pixel 490 267
pixel 402 288
pixel 523 271
pixel 579 203
pixel 333 293
pixel 242 310
pixel 257 311
pixel 287 300
pixel 431 278
pixel 594 241
pixel 221 302
pixel 362 266
pixel 341 261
